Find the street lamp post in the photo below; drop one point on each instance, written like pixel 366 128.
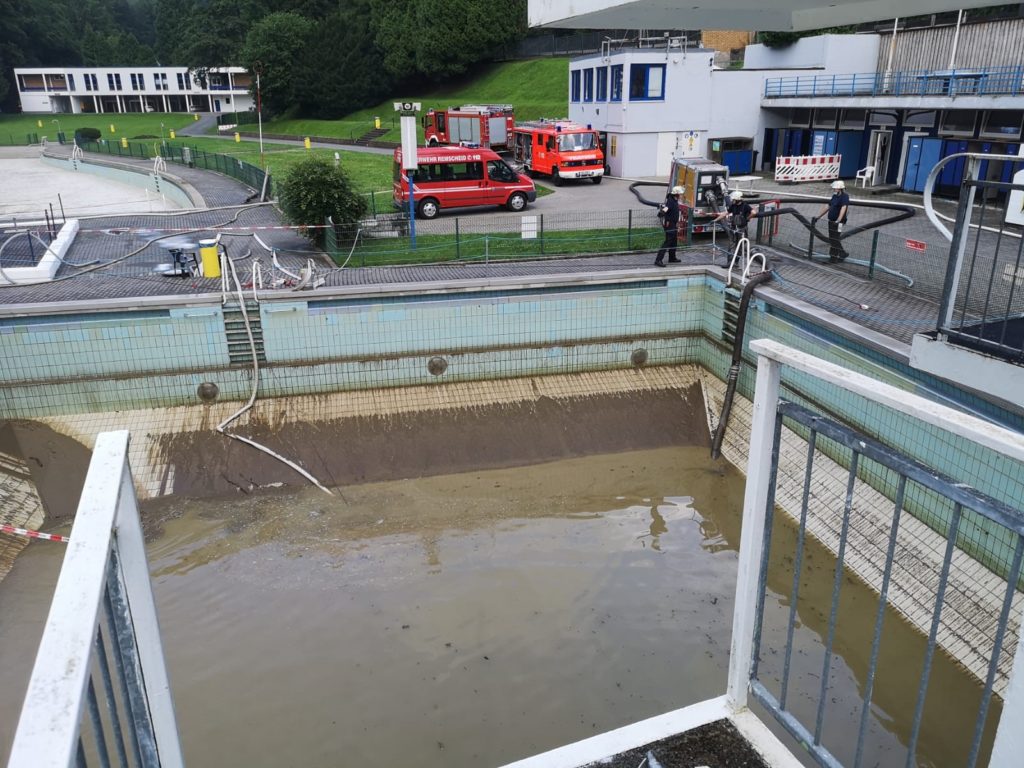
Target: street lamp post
pixel 258 68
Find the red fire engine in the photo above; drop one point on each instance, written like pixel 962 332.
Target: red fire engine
pixel 560 149
pixel 487 125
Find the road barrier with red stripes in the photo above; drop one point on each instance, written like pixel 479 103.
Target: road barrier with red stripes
pixel 807 168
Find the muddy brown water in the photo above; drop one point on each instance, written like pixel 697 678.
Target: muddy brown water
pixel 475 617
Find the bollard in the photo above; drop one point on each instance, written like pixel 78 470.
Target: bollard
pixel 124 141
pixel 238 137
pixel 306 143
pixel 172 133
pixel 112 129
pixel 376 123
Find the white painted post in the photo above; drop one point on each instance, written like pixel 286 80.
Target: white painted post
pixel 755 501
pixel 1009 743
pixel 131 547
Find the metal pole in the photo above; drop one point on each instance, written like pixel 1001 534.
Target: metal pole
pixel 956 41
pixel 60 202
pixel 259 115
pixel 629 230
pixel 412 211
pixel 874 251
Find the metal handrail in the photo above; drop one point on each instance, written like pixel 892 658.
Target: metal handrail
pixel 973 81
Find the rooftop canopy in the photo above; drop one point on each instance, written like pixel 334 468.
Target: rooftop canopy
pixel 765 15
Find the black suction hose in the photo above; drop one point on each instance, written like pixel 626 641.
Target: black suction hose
pixel 737 360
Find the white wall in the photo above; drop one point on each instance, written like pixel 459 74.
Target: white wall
pixel 839 54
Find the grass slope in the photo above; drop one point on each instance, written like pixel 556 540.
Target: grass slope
pixel 535 87
pixel 14 128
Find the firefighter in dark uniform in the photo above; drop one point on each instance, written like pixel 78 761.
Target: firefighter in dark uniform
pixel 837 209
pixel 738 213
pixel 668 212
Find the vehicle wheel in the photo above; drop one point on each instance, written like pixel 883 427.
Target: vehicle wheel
pixel 597 179
pixel 555 178
pixel 428 208
pixel 516 202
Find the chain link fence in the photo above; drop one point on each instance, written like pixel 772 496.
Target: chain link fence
pixel 247 173
pixel 389 240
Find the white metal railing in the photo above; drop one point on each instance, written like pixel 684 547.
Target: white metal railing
pixel 101 633
pixel 768 411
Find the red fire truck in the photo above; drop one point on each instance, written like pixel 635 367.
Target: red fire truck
pixel 560 149
pixel 486 125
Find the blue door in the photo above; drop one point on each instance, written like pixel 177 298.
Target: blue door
pixel 922 155
pixel 794 142
pixel 823 143
pixel 952 172
pixel 850 145
pixel 738 161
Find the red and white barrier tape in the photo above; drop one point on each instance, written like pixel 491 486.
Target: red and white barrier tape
pixel 33 534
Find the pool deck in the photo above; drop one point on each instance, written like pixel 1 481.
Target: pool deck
pixel 127 254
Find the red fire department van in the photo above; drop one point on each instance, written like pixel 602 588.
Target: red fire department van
pixel 458 177
pixel 489 125
pixel 560 149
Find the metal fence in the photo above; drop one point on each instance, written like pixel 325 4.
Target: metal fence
pixel 252 176
pixel 18 139
pixel 238 118
pixel 577 43
pixel 936 578
pixel 389 239
pixel 99 687
pixel 987 81
pixel 983 291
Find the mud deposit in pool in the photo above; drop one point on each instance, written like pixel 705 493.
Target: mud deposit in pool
pixel 373 448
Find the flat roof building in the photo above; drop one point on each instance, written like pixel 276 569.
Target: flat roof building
pixel 97 90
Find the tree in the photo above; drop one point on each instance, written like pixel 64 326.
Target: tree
pixel 275 42
pixel 314 189
pixel 339 71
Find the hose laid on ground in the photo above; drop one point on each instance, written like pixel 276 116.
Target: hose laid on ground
pixel 255 387
pixel 737 360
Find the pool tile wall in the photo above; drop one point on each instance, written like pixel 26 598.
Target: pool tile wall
pixel 111 361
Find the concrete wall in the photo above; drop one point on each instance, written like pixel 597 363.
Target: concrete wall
pixel 985 44
pixel 838 54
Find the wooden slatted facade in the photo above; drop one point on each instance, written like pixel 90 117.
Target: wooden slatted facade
pixel 984 44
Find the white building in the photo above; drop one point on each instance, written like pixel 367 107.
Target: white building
pixel 665 99
pixel 98 90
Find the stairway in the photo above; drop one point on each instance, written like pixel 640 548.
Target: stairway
pixel 369 136
pixel 730 315
pixel 239 350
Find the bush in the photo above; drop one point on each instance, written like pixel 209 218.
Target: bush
pixel 314 189
pixel 145 136
pixel 88 134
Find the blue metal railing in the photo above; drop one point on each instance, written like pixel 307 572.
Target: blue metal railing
pixel 986 81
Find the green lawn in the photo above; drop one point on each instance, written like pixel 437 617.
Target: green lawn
pixel 536 88
pixel 129 125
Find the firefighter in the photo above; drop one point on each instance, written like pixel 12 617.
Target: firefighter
pixel 668 213
pixel 739 213
pixel 837 209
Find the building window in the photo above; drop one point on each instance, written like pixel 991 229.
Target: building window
pixel 825 118
pixel 852 118
pixel 114 82
pixel 602 84
pixel 800 118
pixel 574 85
pixel 160 81
pixel 958 122
pixel 71 82
pixel 920 120
pixel 184 82
pixel 138 82
pixel 616 82
pixel 881 119
pixel 1002 124
pixel 646 82
pixel 588 84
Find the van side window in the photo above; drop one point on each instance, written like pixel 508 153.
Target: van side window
pixel 540 140
pixel 498 171
pixel 551 143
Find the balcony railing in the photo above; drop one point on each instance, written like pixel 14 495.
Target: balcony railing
pixel 992 81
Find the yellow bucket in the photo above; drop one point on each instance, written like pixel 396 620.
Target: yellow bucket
pixel 210 258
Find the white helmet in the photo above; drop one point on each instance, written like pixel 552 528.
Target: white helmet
pixel 677 190
pixel 735 195
pixel 839 184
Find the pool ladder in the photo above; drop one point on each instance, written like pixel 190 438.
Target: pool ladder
pixel 239 350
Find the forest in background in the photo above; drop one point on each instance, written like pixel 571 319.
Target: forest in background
pixel 318 58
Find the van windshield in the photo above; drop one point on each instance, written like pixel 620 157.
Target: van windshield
pixel 571 142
